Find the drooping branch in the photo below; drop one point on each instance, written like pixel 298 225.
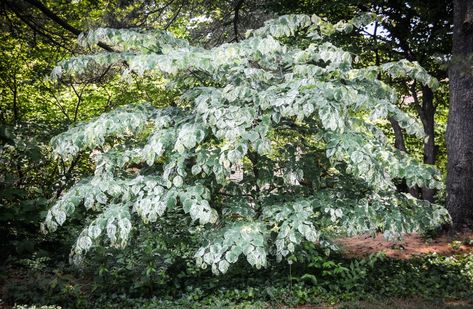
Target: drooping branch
pixel 63 23
pixel 33 26
pixel 51 15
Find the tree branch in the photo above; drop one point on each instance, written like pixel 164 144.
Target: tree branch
pixel 63 23
pixel 33 26
pixel 171 21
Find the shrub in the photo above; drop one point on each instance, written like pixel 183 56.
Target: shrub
pixel 286 107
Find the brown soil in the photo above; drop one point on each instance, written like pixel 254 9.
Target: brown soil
pixel 409 246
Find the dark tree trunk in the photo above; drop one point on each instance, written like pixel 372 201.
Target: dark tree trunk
pixel 426 110
pixel 460 119
pixel 427 116
pixel 400 144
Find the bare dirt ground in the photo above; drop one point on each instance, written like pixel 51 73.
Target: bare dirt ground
pixel 409 246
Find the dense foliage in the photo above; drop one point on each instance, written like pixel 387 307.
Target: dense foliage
pixel 284 105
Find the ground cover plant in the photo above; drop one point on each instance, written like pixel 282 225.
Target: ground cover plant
pixel 312 279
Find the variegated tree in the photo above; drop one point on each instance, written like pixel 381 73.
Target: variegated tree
pixel 289 109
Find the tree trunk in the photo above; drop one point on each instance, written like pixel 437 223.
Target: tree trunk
pixel 460 119
pixel 428 113
pixel 426 110
pixel 400 144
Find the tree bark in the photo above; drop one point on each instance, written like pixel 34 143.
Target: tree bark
pixel 427 117
pixel 460 119
pixel 399 142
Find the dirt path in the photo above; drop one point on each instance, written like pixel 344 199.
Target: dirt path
pixel 412 244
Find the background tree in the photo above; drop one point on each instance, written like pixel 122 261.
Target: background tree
pixel 460 119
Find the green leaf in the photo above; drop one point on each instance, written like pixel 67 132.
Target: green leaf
pixel 178 181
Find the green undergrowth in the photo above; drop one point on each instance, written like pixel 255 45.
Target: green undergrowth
pixel 312 278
